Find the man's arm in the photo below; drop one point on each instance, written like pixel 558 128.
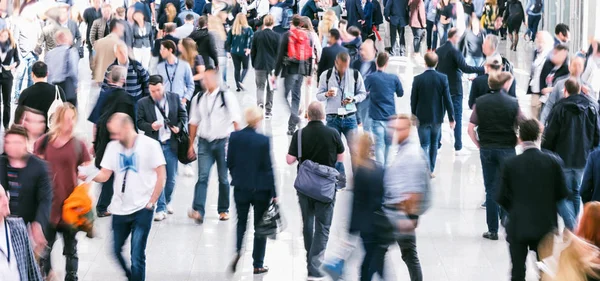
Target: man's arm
pixel 189 84
pixel 399 89
pixel 323 88
pixel 448 100
pixel 551 133
pixel 268 168
pixel 94 32
pixel 463 66
pixel 104 175
pixel 360 87
pixel 161 178
pixel 473 134
pixel 141 118
pixel 212 50
pixel 473 94
pixel 414 97
pixel 281 53
pixel 358 5
pixel 504 193
pixel 145 80
pixel 182 116
pixel 43 197
pixel 587 184
pixel 547 108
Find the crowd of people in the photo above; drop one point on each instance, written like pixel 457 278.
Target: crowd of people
pixel 161 97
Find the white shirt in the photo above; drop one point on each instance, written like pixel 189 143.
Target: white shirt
pixel 138 163
pixel 214 120
pixel 538 65
pixel 164 133
pixel 184 30
pixel 8 271
pixel 261 6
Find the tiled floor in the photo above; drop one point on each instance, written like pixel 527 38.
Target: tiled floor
pixel 449 236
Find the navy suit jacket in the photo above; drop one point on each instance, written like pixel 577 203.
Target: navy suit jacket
pixel 430 98
pixel 396 12
pixel 327 60
pixel 354 12
pixel 480 87
pixel 249 161
pixel 452 63
pixel 146 115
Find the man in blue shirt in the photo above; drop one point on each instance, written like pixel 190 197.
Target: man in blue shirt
pixel 176 73
pixel 429 100
pixel 381 87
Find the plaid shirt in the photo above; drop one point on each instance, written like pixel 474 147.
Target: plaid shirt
pixel 28 267
pixel 137 78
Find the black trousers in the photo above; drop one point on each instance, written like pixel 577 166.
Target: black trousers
pixel 240 68
pixel 518 257
pixel 69 251
pixel 6 86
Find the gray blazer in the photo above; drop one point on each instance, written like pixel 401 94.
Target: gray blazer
pixel 146 115
pixel 142 41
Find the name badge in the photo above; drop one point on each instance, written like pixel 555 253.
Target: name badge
pixel 342 111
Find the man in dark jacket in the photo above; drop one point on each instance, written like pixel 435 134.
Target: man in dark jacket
pixel 162 116
pixel 480 86
pixel 113 98
pixel 590 185
pixel 311 10
pixel 572 133
pixel 495 115
pixel 396 13
pixel 26 178
pixel 251 168
pixel 530 188
pixel 263 53
pixel 169 35
pixel 555 68
pixel 205 43
pixel 354 12
pixel 429 101
pixel 329 54
pixel 292 71
pixel 453 65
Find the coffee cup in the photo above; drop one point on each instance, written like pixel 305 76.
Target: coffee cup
pixel 335 90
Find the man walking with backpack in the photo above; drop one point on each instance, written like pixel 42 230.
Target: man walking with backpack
pixel 294 61
pixel 136 83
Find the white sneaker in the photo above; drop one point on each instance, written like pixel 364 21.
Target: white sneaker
pixel 170 210
pixel 462 152
pixel 160 216
pixel 188 171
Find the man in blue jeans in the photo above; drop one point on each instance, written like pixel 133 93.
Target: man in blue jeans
pixel 341 88
pixel 381 87
pixel 138 166
pixel 161 116
pixel 429 101
pixel 212 116
pixel 495 115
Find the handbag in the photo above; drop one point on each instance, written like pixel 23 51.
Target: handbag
pixel 182 138
pixel 58 102
pixel 315 180
pixel 270 223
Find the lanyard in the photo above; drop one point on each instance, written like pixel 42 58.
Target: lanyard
pixel 339 80
pixel 7 241
pixel 209 112
pixel 163 112
pixel 171 79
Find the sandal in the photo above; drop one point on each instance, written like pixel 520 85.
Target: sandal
pixel 261 270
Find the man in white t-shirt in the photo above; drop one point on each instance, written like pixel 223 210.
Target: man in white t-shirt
pixel 139 171
pixel 212 116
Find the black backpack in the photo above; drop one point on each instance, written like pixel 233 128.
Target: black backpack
pixel 330 71
pixel 516 10
pixel 537 7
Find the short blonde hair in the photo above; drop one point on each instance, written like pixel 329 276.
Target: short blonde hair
pixel 253 116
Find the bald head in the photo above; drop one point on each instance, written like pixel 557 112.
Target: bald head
pixel 316 111
pixel 367 50
pixel 120 119
pixel 576 67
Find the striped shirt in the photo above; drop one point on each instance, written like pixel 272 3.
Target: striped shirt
pixel 137 78
pixel 14 188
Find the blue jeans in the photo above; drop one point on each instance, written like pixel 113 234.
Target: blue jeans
pixel 208 154
pixel 316 221
pixel 138 225
pixel 363 115
pixel 457 102
pixel 383 140
pixel 492 160
pixel 172 163
pixel 293 83
pixel 532 25
pixel 260 201
pixel 27 61
pixel 106 194
pixel 345 126
pixel 569 208
pixel 430 135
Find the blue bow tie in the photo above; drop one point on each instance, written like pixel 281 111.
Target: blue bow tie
pixel 128 162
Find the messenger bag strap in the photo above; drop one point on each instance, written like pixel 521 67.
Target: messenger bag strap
pixel 299 145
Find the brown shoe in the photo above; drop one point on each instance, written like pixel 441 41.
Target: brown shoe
pixel 223 216
pixel 195 215
pixel 261 270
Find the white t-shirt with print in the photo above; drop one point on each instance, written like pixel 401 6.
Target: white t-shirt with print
pixel 139 163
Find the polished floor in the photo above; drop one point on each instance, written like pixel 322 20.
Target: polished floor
pixel 449 235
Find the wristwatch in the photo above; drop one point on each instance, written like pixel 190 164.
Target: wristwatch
pixel 150 206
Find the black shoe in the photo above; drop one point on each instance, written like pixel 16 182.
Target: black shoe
pixel 490 235
pixel 104 214
pixel 234 263
pixel 291 132
pixel 238 90
pixel 268 115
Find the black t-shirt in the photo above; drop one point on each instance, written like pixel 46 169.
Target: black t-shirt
pixel 320 144
pixel 468 8
pixel 39 96
pixel 448 11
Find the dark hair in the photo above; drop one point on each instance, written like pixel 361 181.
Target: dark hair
pixel 529 130
pixel 354 31
pixel 572 86
pixel 39 69
pixel 297 20
pixel 343 57
pixel 189 4
pixel 169 45
pixel 189 17
pixel 497 80
pixel 431 59
pixel 561 28
pixel 561 47
pixel 113 24
pixel 382 59
pixel 16 130
pixel 334 3
pixel 335 34
pixel 155 79
pixel 202 22
pixel 453 31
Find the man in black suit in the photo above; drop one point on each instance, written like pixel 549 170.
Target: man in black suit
pixel 452 63
pixel 480 85
pixel 396 13
pixel 161 116
pixel 329 54
pixel 532 184
pixel 251 169
pixel 263 54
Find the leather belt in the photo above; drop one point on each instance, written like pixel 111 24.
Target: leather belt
pixel 341 116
